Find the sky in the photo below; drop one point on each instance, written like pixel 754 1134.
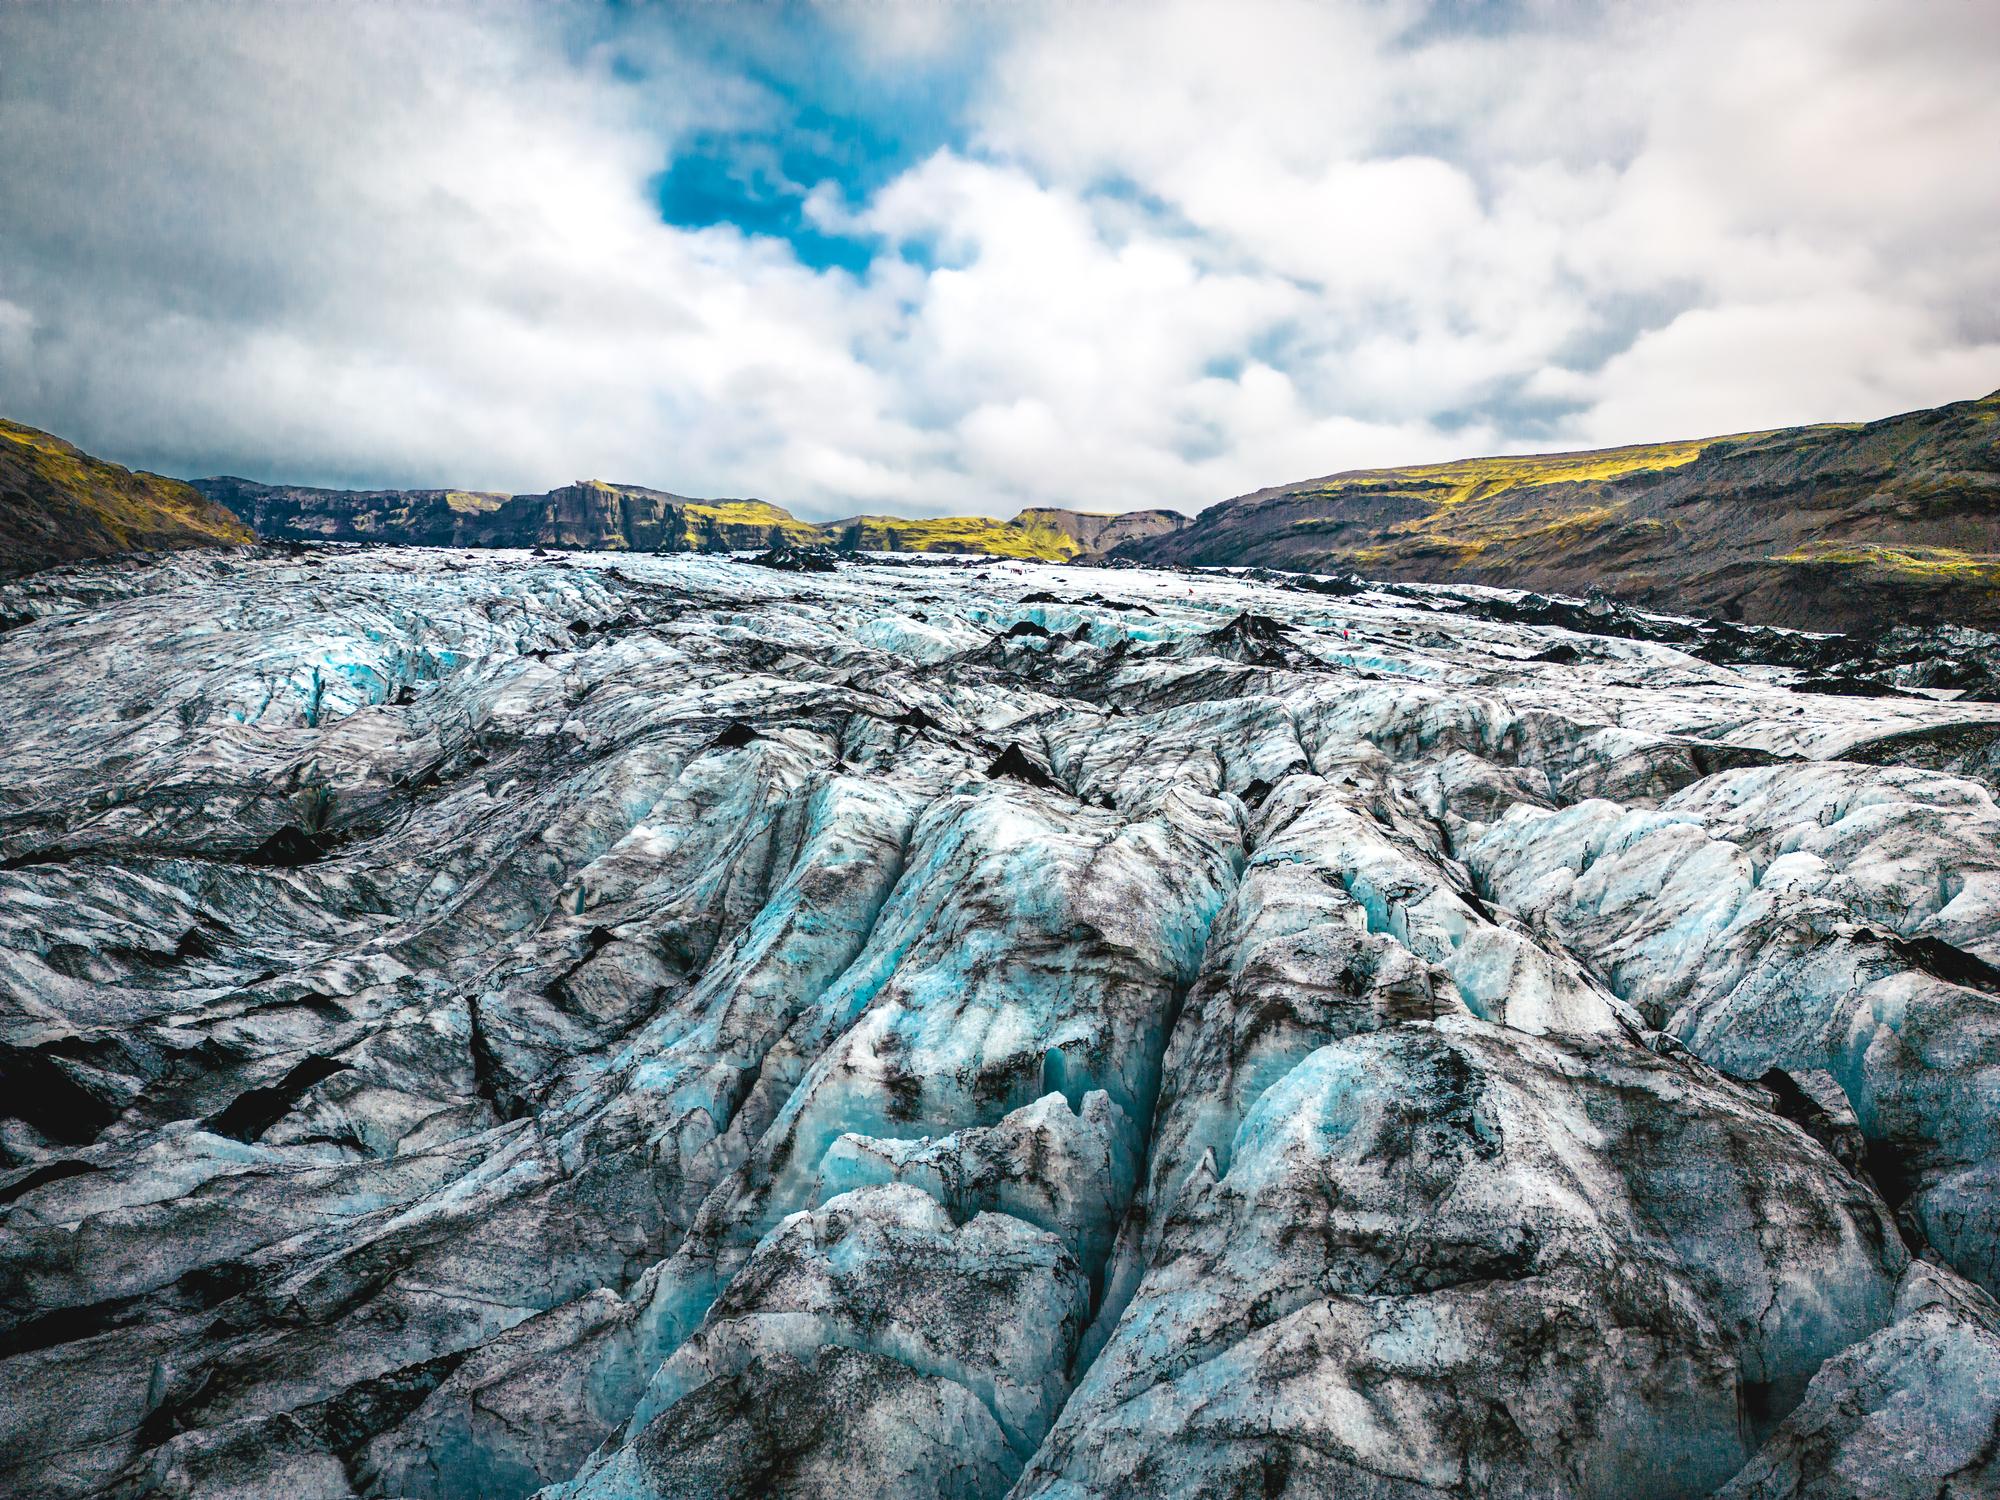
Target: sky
pixel 947 256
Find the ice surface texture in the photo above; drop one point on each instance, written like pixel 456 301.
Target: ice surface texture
pixel 633 1028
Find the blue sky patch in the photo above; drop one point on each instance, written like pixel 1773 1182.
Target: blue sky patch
pixel 828 116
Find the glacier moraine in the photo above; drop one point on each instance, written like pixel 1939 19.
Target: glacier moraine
pixel 643 1028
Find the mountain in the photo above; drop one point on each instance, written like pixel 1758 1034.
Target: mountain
pixel 58 504
pixel 1839 526
pixel 1100 531
pixel 591 514
pixel 1044 533
pixel 479 1025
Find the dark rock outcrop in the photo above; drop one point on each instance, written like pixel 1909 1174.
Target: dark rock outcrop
pixel 1097 532
pixel 589 514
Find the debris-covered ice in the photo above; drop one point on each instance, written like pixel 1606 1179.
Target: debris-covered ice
pixel 642 1028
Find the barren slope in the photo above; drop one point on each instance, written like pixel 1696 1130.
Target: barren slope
pixel 58 504
pixel 1831 527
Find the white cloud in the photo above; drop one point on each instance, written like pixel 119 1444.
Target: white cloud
pixel 893 31
pixel 1748 367
pixel 1184 250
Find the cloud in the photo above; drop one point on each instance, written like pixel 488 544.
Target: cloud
pixel 1549 206
pixel 1105 255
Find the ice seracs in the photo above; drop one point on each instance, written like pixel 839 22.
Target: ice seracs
pixel 489 1024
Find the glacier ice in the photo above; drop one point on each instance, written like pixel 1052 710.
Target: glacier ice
pixel 609 1026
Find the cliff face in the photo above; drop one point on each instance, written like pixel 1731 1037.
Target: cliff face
pixel 1100 531
pixel 589 514
pixel 627 518
pixel 596 516
pixel 58 504
pixel 734 525
pixel 428 518
pixel 1832 527
pixel 1044 534
pixel 1018 538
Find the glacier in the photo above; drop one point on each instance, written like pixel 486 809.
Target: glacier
pixel 615 1027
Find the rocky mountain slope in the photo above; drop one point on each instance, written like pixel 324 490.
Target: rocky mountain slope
pixel 1099 531
pixel 1833 527
pixel 58 504
pixel 629 518
pixel 478 1024
pixel 587 514
pixel 1044 534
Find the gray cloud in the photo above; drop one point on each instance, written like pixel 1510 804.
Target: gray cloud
pixel 1187 249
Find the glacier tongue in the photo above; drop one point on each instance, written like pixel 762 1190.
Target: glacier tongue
pixel 630 1028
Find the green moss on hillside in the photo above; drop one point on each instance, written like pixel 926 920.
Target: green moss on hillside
pixel 1024 538
pixel 1462 481
pixel 754 513
pixel 57 504
pixel 1930 564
